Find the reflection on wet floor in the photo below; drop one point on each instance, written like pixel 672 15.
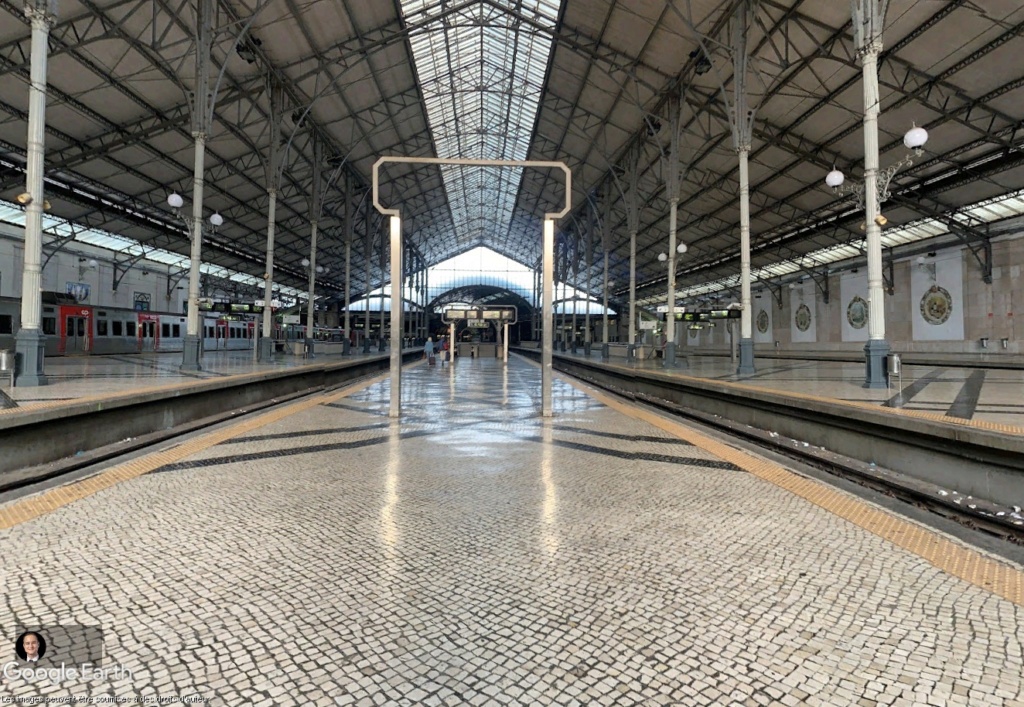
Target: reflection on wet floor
pixel 475 553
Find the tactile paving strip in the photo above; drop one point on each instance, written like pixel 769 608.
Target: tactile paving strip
pixel 27 509
pixel 960 561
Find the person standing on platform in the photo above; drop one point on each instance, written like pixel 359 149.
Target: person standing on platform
pixel 428 351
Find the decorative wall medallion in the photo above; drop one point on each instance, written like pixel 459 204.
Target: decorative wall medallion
pixel 936 305
pixel 857 312
pixel 693 333
pixel 803 317
pixel 762 322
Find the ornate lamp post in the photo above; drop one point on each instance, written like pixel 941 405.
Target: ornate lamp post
pixel 191 358
pixel 670 317
pixel 871 193
pixel 313 271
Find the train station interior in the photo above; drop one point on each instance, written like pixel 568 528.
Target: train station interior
pixel 512 352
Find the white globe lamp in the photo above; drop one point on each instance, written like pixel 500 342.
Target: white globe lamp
pixel 915 138
pixel 175 200
pixel 835 179
pixel 217 220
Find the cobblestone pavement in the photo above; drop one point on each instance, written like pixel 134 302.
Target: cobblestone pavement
pixel 475 554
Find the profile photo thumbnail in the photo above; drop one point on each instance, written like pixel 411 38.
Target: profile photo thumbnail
pixel 30 646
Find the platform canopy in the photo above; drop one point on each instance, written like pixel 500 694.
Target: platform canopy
pixel 587 82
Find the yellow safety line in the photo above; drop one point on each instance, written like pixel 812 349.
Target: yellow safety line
pixel 32 507
pixel 958 560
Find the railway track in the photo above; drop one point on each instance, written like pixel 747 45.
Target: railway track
pixel 1003 521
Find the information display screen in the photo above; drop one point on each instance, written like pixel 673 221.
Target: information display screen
pixel 480 314
pixel 705 316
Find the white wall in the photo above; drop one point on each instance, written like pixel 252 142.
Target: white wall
pixel 977 309
pixel 65 267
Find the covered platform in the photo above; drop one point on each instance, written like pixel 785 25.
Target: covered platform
pixel 476 553
pixel 976 393
pixel 74 378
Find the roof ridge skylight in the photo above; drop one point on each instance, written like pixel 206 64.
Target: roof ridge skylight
pixel 463 111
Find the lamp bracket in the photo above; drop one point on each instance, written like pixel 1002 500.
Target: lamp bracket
pixel 123 265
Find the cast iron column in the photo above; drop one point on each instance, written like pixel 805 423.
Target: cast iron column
pixel 30 344
pixel 201 116
pixel 266 348
pixel 349 235
pixel 547 309
pixel 868 22
pixel 746 366
pixel 605 237
pixel 310 307
pixel 397 321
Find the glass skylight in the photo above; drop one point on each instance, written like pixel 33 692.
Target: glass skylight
pixel 482 72
pixel 54 228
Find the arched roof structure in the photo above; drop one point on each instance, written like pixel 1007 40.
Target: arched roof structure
pixel 587 82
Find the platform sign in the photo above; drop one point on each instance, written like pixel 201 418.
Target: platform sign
pixel 478 324
pixel 706 316
pixel 497 315
pixel 725 314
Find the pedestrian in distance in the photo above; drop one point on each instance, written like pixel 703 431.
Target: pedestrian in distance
pixel 428 351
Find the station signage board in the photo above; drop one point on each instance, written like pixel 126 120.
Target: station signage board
pixel 705 316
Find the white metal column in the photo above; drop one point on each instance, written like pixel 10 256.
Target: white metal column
pixel 605 238
pixel 349 235
pixel 673 214
pixel 30 342
pixel 588 337
pixel 746 366
pixel 632 294
pixel 868 21
pixel 266 344
pixel 547 311
pixel 310 306
pixel 397 317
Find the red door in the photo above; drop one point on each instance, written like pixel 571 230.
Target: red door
pixel 75 324
pixel 149 332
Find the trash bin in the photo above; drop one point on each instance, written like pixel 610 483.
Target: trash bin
pixel 895 364
pixel 7 364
